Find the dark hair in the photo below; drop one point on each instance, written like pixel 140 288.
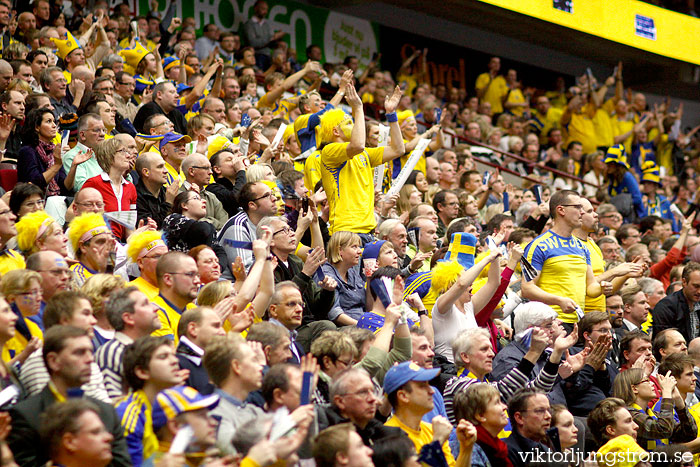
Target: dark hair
pixel 55 339
pixel 496 221
pixel 61 306
pixel 690 268
pixel 119 302
pixel 59 419
pixel 138 355
pixel 180 201
pixel 520 401
pixel 589 320
pixel 20 193
pixel 676 364
pixel 30 137
pixel 559 198
pixel 34 54
pixel 648 223
pixel 626 342
pixel 602 416
pixel 517 235
pixel 275 378
pixel 386 271
pixel 31 102
pixel 440 197
pixel 247 195
pixel 214 159
pixel 393 451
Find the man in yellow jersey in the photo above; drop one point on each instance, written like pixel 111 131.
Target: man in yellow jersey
pixel 577 120
pixel 145 249
pixel 92 242
pixel 9 259
pixel 545 117
pixel 347 167
pixel 564 274
pixel 617 275
pixel 173 150
pixel 178 281
pixel 492 87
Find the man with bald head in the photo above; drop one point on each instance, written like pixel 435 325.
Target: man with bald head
pixel 84 74
pixel 154 197
pixel 178 281
pixel 216 108
pixel 6 74
pixel 197 170
pixel 25 22
pixel 54 272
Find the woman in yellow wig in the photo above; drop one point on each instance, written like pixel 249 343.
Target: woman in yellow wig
pixel 22 289
pixel 37 231
pixel 145 249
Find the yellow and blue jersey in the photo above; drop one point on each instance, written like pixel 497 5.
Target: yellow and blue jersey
pixel 169 316
pixel 11 260
pixel 563 264
pixel 82 273
pixel 148 289
pixel 136 415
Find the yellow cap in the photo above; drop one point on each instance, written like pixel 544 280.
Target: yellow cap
pixel 216 143
pixel 133 56
pixel 66 46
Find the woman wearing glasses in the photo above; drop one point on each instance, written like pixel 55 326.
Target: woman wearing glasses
pixel 26 198
pixel 657 425
pixel 40 161
pixel 116 157
pixel 22 290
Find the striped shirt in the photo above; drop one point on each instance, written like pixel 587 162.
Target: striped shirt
pixel 34 377
pixel 516 379
pixel 136 414
pixel 240 229
pixel 109 359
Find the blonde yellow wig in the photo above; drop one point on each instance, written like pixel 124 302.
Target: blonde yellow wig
pixel 82 225
pixel 137 242
pixel 445 274
pixel 329 121
pixel 29 227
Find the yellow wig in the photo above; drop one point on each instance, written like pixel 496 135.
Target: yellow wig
pixel 445 274
pixel 404 115
pixel 28 228
pixel 83 224
pixel 137 242
pixel 329 121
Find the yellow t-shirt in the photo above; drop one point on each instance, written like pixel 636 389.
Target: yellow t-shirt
pixel 604 131
pixel 169 317
pixel 173 174
pixel 150 290
pixel 563 264
pixel 551 120
pixel 516 97
pixel 582 129
pixel 622 126
pixel 598 266
pixel 421 437
pixel 11 260
pixel 349 185
pixel 18 343
pixel 497 89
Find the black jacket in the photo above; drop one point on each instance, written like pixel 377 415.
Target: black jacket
pixel 24 437
pixel 587 387
pixel 148 205
pixel 520 450
pixel 318 302
pixel 189 360
pixel 375 430
pixel 152 108
pixel 228 192
pixel 673 311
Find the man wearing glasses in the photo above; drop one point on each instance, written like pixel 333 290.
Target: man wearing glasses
pixel 530 418
pixel 178 282
pixel 197 170
pixel 144 250
pixel 257 201
pixel 563 263
pixel 54 272
pixel 446 205
pixel 91 132
pixel 124 86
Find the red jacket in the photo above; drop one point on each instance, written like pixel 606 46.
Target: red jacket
pixel 127 201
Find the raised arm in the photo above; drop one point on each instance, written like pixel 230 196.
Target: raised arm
pixel 357 137
pixel 290 81
pixel 466 279
pixel 396 148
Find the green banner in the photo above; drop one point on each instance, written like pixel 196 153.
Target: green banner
pixel 337 34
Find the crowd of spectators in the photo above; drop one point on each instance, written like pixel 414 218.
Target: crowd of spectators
pixel 214 254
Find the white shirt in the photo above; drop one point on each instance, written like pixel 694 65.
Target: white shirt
pixel 448 325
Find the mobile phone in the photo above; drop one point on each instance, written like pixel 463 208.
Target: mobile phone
pixel 487 177
pixel 94 18
pixel 553 434
pixel 438 115
pixel 506 203
pixel 306 381
pixel 305 204
pixel 537 191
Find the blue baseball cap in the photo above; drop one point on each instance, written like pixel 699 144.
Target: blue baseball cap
pixel 371 250
pixel 183 87
pixel 404 372
pixel 173 137
pixel 172 402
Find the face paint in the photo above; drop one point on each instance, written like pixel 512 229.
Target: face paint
pixel 346 128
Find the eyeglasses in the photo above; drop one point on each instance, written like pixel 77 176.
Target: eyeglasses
pixel 346 363
pixel 207 168
pixel 364 393
pixel 540 411
pixel 577 206
pixel 128 84
pixel 58 272
pixel 195 198
pixel 94 204
pixel 286 229
pixel 156 257
pixel 612 216
pixel 191 275
pixel 270 195
pixel 454 203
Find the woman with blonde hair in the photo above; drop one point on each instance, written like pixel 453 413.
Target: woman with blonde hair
pixel 343 252
pixel 22 290
pixel 260 171
pixel 37 231
pixel 242 315
pixel 409 198
pixel 98 288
